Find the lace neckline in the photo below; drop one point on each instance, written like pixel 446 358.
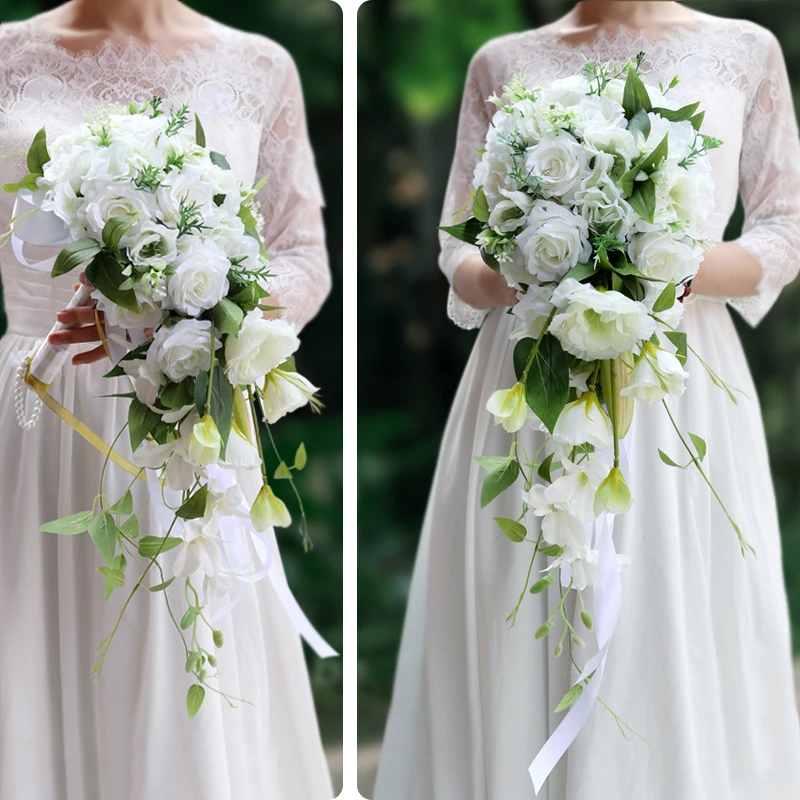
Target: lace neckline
pixel 632 40
pixel 128 48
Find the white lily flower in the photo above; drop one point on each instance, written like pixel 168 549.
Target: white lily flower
pixel 656 374
pixel 509 407
pixel 199 550
pixel 584 421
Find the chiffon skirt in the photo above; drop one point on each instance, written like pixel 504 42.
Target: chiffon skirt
pixel 700 665
pixel 126 737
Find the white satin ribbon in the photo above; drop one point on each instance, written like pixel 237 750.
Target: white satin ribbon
pixel 236 529
pixel 606 605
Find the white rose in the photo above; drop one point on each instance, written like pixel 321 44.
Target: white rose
pixel 566 91
pixel 149 244
pixel 664 256
pixel 584 421
pixel 106 200
pixel 149 314
pixel 600 201
pixel 184 349
pixel 595 325
pixel 200 279
pixel 559 162
pixel 262 345
pixel 189 187
pixel 510 213
pixel 596 114
pixel 111 163
pixel 283 393
pixel 655 374
pixel 615 90
pixel 492 171
pixel 688 195
pixel 532 310
pixel 554 241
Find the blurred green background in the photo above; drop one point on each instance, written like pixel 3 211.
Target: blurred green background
pixel 311 30
pixel 413 61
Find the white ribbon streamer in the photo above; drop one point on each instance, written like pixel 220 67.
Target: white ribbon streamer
pixel 607 603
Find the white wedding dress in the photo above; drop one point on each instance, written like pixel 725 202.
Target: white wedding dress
pixel 700 663
pixel 128 737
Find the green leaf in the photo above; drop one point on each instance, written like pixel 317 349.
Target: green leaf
pixel 650 163
pixel 514 530
pixel 490 260
pixel 570 697
pixel 491 463
pixel 480 206
pixel 666 299
pixel 105 272
pixel 227 317
pixel 178 395
pixel 697 120
pixel 581 271
pixel 114 577
pixel 130 527
pixel 465 231
pixel 195 506
pixel 28 182
pixel 635 97
pixel 543 583
pixel 117 227
pixel 545 468
pixel 643 199
pixel 37 154
pixel 219 160
pixel 667 460
pixel 199 133
pixel 141 420
pixel 124 505
pixel 149 546
pixel 187 620
pixel 552 550
pixel 700 444
pixel 221 408
pixel 640 122
pixel 282 472
pixel 69 526
pixel 678 338
pixel 300 457
pixel 75 254
pixel 547 384
pixel 160 587
pixel 498 480
pixel 628 180
pixel 677 115
pixel 103 532
pixel 194 699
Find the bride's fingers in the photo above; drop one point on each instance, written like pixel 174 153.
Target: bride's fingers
pixel 80 315
pixel 85 281
pixel 90 356
pixel 87 333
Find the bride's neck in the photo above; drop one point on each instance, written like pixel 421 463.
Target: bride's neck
pixel 130 17
pixel 633 13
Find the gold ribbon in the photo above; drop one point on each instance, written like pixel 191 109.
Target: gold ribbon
pixel 83 430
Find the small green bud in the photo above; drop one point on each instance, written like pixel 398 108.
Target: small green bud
pixel 544 630
pixel 587 620
pixel 217 638
pixel 542 583
pixel 576 640
pixel 559 650
pixel 212 661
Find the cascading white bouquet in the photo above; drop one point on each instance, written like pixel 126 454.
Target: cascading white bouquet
pixel 171 244
pixel 590 198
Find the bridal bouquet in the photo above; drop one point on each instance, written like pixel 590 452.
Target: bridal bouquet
pixel 170 243
pixel 590 199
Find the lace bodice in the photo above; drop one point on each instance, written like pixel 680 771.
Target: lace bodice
pixel 733 67
pixel 247 92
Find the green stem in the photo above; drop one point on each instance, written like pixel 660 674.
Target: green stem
pixel 614 416
pixel 251 390
pixel 535 348
pixel 512 617
pixel 211 370
pixel 105 464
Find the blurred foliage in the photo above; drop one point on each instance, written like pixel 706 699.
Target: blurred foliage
pixel 413 59
pixel 311 31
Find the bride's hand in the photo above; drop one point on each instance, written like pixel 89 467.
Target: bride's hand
pixel 84 330
pixel 478 285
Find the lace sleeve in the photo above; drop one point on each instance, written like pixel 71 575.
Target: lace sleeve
pixel 291 204
pixel 472 126
pixel 769 183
